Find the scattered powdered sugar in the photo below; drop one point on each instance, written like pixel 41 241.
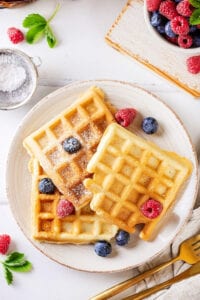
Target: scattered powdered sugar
pixel 11 77
pixel 17 78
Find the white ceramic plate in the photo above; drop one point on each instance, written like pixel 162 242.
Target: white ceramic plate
pixel 171 136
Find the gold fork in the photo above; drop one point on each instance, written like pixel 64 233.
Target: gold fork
pixel 189 252
pixel 192 271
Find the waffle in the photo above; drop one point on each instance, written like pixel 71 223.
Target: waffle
pixel 85 120
pixel 83 227
pixel 128 171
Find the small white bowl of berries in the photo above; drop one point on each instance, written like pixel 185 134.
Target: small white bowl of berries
pixel 175 22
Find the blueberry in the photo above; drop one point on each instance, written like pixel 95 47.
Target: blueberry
pixel 161 29
pixel 196 40
pixel 46 186
pixel 71 145
pixel 122 238
pixel 193 29
pixel 155 19
pixel 149 125
pixel 177 1
pixel 169 31
pixel 102 248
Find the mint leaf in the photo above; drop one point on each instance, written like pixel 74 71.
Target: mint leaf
pixel 14 257
pixel 195 17
pixel 51 39
pixel 38 27
pixel 33 19
pixel 35 33
pixel 25 267
pixel 8 276
pixel 195 3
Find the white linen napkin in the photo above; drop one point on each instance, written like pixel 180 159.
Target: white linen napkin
pixel 183 290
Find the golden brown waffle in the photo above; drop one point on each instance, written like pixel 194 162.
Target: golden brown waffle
pixel 128 171
pixel 83 227
pixel 86 120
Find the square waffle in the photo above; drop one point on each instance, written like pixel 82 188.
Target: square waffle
pixel 86 120
pixel 128 171
pixel 83 227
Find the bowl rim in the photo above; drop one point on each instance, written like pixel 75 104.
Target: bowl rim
pixel 29 61
pixel 163 40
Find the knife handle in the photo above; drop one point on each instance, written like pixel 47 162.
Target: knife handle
pixel 156 288
pixel 120 287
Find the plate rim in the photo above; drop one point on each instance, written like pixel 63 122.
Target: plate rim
pixel 93 82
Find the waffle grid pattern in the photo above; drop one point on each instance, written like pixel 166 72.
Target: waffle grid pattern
pixel 127 172
pixel 81 228
pixel 85 120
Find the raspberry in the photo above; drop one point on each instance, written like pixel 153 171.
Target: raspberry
pixel 185 41
pixel 184 8
pixel 198 26
pixel 168 9
pixel 65 208
pixel 151 208
pixel 193 64
pixel 125 116
pixel 15 35
pixel 4 243
pixel 180 25
pixel 153 5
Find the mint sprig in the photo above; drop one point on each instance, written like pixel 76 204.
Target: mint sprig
pixel 195 16
pixel 195 3
pixel 15 262
pixel 39 27
pixel 8 276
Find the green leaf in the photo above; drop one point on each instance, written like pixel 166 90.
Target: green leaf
pixel 39 27
pixel 35 33
pixel 195 17
pixel 33 20
pixel 14 257
pixel 51 39
pixel 25 267
pixel 8 276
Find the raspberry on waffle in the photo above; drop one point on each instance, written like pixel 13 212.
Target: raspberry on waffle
pixel 81 227
pixel 129 172
pixel 85 121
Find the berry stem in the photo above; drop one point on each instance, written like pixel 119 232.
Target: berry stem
pixel 54 13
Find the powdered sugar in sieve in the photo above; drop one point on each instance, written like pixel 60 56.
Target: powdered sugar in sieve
pixel 18 78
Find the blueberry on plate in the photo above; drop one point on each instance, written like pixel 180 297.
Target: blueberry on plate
pixel 122 237
pixel 71 145
pixel 149 125
pixel 155 19
pixel 46 186
pixel 102 248
pixel 169 31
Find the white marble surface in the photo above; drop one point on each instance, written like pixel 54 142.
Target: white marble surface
pixel 80 55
